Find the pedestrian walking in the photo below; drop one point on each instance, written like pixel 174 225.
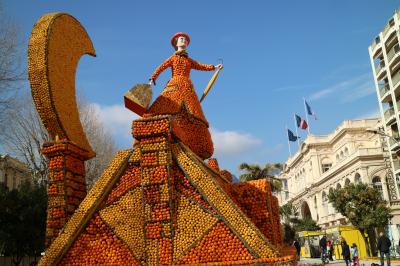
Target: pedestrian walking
pixel 345 252
pixel 384 248
pixel 296 244
pixel 329 249
pixel 322 246
pixel 354 254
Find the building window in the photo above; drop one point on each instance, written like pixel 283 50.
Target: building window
pixel 325 167
pixel 286 195
pixel 357 178
pixel 285 185
pixel 376 183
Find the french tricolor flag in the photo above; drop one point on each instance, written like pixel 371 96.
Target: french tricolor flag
pixel 301 123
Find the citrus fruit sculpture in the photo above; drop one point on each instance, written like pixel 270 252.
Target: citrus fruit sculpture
pixel 158 203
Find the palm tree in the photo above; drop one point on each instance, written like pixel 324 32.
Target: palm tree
pixel 288 212
pixel 255 171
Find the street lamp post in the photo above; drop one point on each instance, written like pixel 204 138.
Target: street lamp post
pixel 391 182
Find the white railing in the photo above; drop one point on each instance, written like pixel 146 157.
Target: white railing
pixel 395 49
pixel 383 89
pixel 387 27
pixel 375 42
pixel 396 78
pixel 379 66
pixel 388 113
pixel 396 165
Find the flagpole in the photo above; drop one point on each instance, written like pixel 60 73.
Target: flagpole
pixel 288 142
pixel 295 125
pixel 305 110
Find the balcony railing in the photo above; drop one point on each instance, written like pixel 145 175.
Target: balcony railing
pixel 396 78
pixel 375 42
pixel 389 113
pixel 379 66
pixel 395 49
pixel 383 89
pixel 394 141
pixel 396 165
pixel 387 28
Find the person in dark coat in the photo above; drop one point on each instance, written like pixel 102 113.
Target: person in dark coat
pixel 296 244
pixel 322 246
pixel 346 252
pixel 384 248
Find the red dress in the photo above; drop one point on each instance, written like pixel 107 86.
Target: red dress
pixel 179 99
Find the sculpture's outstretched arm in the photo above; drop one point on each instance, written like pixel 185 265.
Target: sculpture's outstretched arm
pixel 167 63
pixel 199 66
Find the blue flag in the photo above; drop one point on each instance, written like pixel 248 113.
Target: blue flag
pixel 309 111
pixel 291 136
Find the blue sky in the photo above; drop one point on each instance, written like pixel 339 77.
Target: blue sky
pixel 275 53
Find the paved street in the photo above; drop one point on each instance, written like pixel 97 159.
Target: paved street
pixel 311 262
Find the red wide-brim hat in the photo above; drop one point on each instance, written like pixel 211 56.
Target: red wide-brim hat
pixel 179 34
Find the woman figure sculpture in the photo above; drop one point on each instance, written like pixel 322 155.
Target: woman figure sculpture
pixel 179 99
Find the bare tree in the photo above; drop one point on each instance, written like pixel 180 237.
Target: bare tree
pixel 25 135
pixel 99 138
pixel 11 70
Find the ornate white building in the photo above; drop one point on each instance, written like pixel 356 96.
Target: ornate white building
pixel 350 154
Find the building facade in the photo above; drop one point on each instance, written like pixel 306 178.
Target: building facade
pixel 350 154
pixel 12 172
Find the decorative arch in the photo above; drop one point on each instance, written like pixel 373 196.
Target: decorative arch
pixel 347 182
pixel 381 171
pixel 357 178
pixel 377 183
pixel 305 210
pixel 338 186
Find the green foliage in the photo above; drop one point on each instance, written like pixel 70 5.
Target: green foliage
pixel 293 224
pixel 289 234
pixel 288 211
pixel 306 224
pixel 22 221
pixel 255 171
pixel 362 205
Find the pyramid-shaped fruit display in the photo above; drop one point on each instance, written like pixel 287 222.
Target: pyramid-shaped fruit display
pixel 158 203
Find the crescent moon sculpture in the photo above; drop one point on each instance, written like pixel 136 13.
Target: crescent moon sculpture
pixel 56 44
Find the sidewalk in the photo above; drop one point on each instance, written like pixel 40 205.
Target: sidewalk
pixel 315 262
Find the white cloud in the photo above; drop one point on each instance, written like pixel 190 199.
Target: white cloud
pixel 348 90
pixel 231 143
pixel 118 120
